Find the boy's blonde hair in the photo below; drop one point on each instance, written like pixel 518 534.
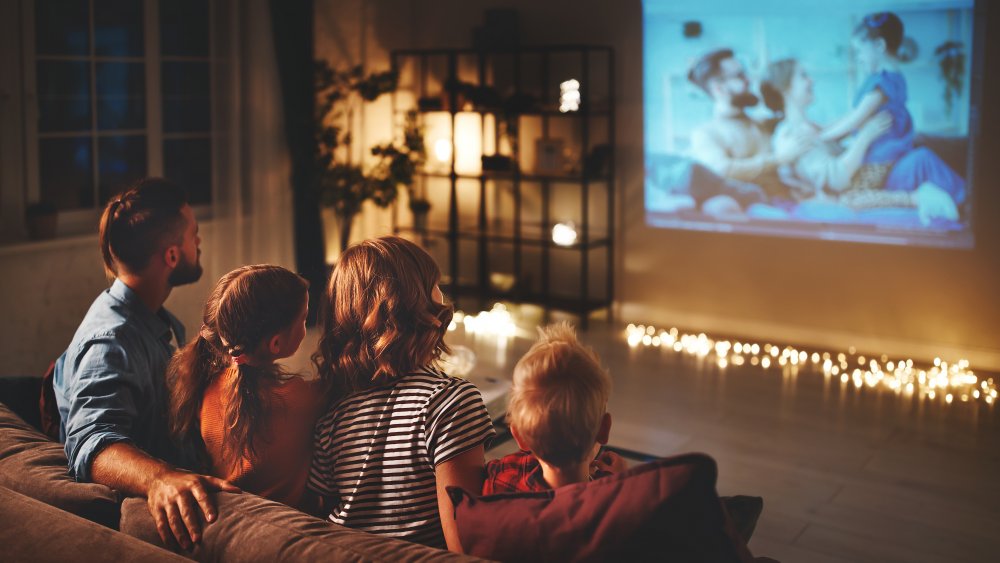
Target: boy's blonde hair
pixel 559 397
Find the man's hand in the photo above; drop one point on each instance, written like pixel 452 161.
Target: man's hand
pixel 793 146
pixel 178 501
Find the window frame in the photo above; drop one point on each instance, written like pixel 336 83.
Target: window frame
pixel 84 220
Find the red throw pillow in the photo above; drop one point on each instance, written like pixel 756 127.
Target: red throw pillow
pixel 664 510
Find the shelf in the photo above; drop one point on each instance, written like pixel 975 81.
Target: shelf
pixel 522 176
pixel 562 303
pixel 472 245
pixel 527 238
pixel 591 112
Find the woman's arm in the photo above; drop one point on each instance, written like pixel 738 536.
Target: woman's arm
pixel 855 118
pixel 843 169
pixel 466 471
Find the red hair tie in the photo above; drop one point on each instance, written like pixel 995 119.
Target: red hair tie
pixel 240 360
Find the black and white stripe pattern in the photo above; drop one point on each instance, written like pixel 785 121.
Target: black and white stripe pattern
pixel 376 452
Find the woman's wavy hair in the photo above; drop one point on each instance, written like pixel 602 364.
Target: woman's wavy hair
pixel 247 307
pixel 380 322
pixel 776 81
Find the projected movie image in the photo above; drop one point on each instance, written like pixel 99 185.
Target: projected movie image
pixel 844 121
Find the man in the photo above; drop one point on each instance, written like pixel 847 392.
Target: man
pixel 109 384
pixel 731 144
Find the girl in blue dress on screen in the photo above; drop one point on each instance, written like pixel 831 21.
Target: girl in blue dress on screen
pixel 892 161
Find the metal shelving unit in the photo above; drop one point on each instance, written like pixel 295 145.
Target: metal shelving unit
pixel 512 230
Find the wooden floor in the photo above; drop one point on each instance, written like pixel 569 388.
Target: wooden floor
pixel 846 474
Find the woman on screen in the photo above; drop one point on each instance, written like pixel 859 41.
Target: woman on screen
pixel 830 171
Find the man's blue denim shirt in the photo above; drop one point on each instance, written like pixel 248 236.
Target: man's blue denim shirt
pixel 110 382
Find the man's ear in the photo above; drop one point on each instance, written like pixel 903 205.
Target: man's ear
pixel 604 431
pixel 517 438
pixel 172 256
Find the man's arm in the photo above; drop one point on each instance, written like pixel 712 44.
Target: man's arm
pixel 176 499
pixel 707 149
pixel 103 408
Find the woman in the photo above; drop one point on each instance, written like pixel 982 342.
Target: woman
pixel 398 430
pixel 827 171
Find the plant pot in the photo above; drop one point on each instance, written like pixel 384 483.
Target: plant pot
pixel 41 220
pixel 420 208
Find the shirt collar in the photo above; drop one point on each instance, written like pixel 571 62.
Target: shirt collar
pixel 161 327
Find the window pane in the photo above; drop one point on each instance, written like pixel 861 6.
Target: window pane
pixel 118 28
pixel 188 163
pixel 121 96
pixel 61 27
pixel 66 172
pixel 186 97
pixel 121 161
pixel 63 96
pixel 184 28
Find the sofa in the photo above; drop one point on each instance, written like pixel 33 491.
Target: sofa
pixel 667 509
pixel 45 515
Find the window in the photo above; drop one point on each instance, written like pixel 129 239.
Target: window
pixel 123 91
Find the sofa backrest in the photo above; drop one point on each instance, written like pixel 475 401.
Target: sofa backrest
pixel 251 528
pixel 33 465
pixel 31 530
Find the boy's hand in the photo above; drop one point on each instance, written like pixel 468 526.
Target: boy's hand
pixel 609 462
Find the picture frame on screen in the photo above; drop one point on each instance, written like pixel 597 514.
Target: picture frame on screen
pixel 852 120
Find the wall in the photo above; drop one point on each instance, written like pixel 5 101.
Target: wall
pixel 46 289
pixel 900 301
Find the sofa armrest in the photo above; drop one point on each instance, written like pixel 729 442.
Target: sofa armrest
pixel 35 531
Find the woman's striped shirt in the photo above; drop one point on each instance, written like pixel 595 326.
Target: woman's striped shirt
pixel 375 452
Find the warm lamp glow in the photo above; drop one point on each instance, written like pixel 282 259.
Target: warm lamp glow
pixel 442 151
pixel 564 234
pixel 569 96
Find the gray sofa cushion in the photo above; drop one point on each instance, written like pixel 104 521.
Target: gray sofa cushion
pixel 36 467
pixel 251 528
pixel 34 531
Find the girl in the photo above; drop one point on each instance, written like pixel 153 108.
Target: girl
pixel 251 422
pixel 827 170
pixel 398 430
pixel 891 161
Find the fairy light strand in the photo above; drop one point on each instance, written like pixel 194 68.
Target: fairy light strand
pixel 950 382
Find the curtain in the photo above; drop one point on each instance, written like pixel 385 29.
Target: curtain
pixel 292 27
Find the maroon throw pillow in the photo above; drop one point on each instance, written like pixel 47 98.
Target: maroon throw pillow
pixel 664 510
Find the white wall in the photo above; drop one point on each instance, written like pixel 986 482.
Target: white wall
pixel 900 301
pixel 46 289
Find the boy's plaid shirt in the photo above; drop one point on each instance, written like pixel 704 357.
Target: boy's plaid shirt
pixel 518 472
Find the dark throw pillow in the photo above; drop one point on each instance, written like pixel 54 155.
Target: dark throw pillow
pixel 36 467
pixel 667 510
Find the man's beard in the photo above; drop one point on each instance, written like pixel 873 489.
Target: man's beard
pixel 185 273
pixel 744 100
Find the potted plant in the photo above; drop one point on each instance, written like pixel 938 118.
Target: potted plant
pixel 345 184
pixel 41 220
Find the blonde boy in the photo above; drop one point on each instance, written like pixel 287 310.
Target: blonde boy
pixel 558 416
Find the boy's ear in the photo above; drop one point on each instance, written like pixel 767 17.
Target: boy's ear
pixel 604 431
pixel 517 438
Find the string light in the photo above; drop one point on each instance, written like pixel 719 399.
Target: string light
pixel 944 379
pixel 496 322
